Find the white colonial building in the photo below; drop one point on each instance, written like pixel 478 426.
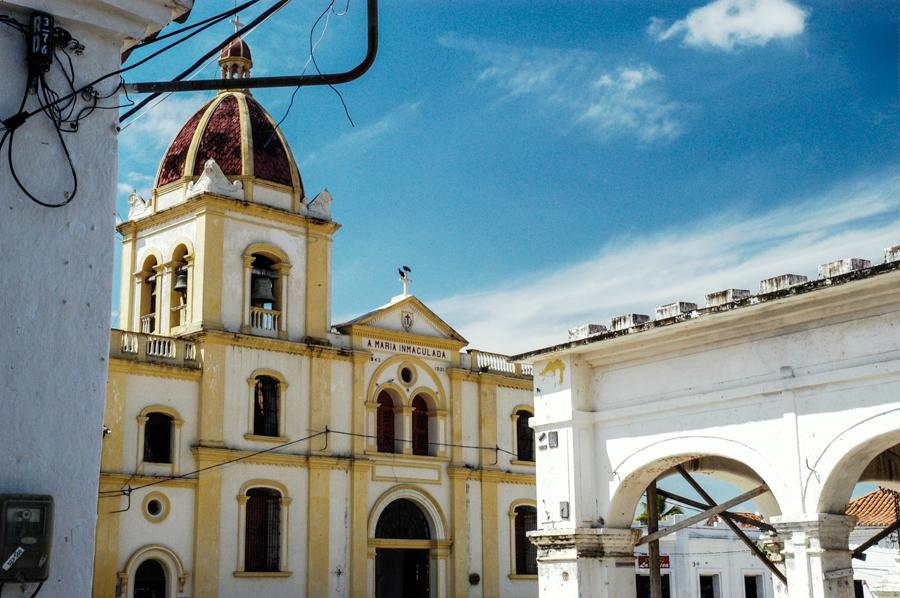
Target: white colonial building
pixel 792 394
pixel 253 448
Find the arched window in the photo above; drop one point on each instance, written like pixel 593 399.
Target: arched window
pixel 265 407
pixel 384 421
pixel 178 298
pixel 420 417
pixel 262 542
pixel 524 436
pixel 150 580
pixel 265 308
pixel 158 438
pixel 149 299
pixel 526 552
pixel 403 520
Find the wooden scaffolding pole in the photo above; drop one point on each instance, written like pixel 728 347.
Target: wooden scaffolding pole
pixel 653 547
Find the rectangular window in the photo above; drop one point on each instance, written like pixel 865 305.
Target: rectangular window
pixel 753 587
pixel 709 586
pixel 643 586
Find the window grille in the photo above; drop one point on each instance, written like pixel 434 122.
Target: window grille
pixel 265 407
pixel 262 546
pixel 419 426
pixel 385 423
pixel 526 552
pixel 158 438
pixel 524 436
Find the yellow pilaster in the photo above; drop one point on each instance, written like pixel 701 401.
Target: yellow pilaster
pixel 319 398
pixel 490 553
pixel 487 407
pixel 212 395
pixel 208 269
pixel 126 284
pixel 207 524
pixel 317 523
pixel 359 402
pixel 460 551
pixel 318 269
pixel 106 550
pixel 359 535
pixel 456 453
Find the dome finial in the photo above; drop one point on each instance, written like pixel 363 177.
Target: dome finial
pixel 235 58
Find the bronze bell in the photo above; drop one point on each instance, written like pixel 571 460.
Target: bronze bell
pixel 180 281
pixel 262 290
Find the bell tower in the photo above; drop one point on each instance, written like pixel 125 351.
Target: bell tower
pixel 228 239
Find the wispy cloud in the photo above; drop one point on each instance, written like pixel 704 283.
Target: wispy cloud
pixel 611 100
pixel 634 275
pixel 363 136
pixel 157 127
pixel 730 24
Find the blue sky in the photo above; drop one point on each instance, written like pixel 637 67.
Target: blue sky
pixel 544 164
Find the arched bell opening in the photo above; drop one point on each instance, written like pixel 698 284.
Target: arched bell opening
pixel 179 297
pixel 148 279
pixel 150 580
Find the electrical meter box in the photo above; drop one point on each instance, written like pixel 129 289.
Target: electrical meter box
pixel 26 529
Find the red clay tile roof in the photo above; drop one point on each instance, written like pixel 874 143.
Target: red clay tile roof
pixel 715 519
pixel 220 139
pixel 875 509
pixel 172 166
pixel 270 158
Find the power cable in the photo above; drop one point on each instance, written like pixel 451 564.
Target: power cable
pixel 129 490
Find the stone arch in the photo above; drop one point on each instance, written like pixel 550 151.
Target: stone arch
pixel 146 253
pixel 831 477
pixel 264 483
pixel 429 506
pixel 182 241
pixel 165 409
pixel 176 576
pixel 273 252
pixel 731 460
pixel 437 392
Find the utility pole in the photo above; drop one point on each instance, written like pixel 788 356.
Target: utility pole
pixel 653 547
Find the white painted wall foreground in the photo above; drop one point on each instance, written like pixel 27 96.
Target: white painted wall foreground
pixel 799 391
pixel 56 289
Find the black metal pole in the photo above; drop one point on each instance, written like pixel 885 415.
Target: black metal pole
pixel 157 87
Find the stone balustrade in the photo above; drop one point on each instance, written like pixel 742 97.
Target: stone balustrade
pixel 151 348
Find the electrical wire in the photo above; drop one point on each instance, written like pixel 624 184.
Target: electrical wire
pixel 127 491
pixel 36 590
pixel 217 18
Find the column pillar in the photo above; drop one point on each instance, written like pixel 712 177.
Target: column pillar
pixel 817 555
pixel 317 522
pixel 207 528
pixel 284 281
pixel 459 552
pixel 406 414
pixel 245 297
pixel 585 562
pixel 490 548
pixel 359 533
pixel 187 316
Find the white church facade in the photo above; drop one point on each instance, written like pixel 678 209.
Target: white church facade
pixel 251 447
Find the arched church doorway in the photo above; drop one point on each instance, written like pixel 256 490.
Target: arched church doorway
pixel 402 564
pixel 150 580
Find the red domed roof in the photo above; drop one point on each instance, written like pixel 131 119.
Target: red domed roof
pixel 236 132
pixel 237 48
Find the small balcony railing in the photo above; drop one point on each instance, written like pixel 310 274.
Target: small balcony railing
pixel 484 361
pixel 148 347
pixel 148 323
pixel 264 321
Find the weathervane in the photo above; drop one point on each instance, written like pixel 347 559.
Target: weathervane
pixel 405 279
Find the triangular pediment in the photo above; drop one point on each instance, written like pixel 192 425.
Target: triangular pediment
pixel 404 315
